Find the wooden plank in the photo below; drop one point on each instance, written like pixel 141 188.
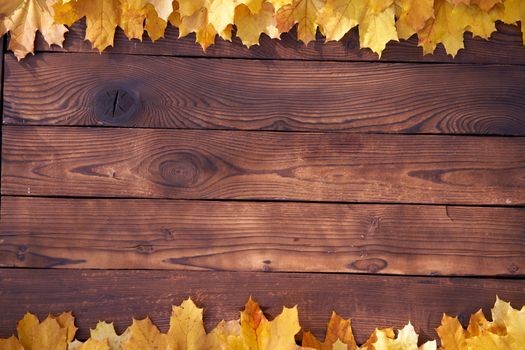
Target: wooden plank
pixel 504 47
pixel 295 237
pixel 124 90
pixel 197 164
pixel 371 301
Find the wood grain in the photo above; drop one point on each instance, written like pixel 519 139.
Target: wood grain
pixel 166 92
pixel 505 46
pixel 296 237
pixel 371 301
pixel 196 164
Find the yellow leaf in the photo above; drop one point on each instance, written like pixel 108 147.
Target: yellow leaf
pixel 189 7
pixel 10 343
pixel 106 332
pixel 505 316
pixel 221 13
pixel 452 334
pixel 67 320
pixel 154 25
pixel 339 16
pixel 225 335
pixel 514 11
pixel 477 21
pixel 447 27
pixel 412 16
pixel 303 12
pixel 250 26
pixel 132 18
pixel 25 328
pixel 186 327
pixel 90 344
pixel 257 333
pixel 198 23
pixel 338 329
pixel 479 325
pixel 48 335
pixel 163 8
pixel 377 27
pixel 489 341
pixel 25 20
pixel 144 335
pixel 407 338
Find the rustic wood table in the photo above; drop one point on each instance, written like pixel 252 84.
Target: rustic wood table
pixel 389 190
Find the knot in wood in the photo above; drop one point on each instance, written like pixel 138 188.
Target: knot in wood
pixel 115 105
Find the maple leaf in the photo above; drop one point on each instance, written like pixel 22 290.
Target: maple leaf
pixel 505 316
pixel 106 332
pixel 144 335
pixel 257 333
pixel 514 11
pixel 24 20
pixel 25 329
pixel 412 16
pixel 225 335
pixel 407 338
pixel 198 23
pixel 338 330
pixel 302 12
pixel 447 27
pixel 186 327
pixel 376 19
pixel 11 343
pixel 251 25
pixel 90 344
pixel 67 320
pixel 452 334
pixel 48 335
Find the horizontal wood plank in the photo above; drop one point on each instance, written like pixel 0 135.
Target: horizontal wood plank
pixel 505 46
pixel 295 237
pixel 371 301
pixel 124 90
pixel 192 164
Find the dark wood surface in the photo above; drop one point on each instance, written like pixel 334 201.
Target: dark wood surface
pixel 192 164
pixel 371 301
pixel 504 47
pixel 236 236
pixel 324 215
pixel 167 92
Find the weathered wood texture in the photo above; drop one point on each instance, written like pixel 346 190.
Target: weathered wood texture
pixel 371 301
pixel 192 164
pixel 298 237
pixel 505 46
pixel 125 90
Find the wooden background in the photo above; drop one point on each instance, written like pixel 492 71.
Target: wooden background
pixel 389 190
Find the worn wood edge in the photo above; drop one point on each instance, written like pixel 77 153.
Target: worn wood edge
pixel 505 46
pixel 261 236
pixel 241 165
pixel 357 97
pixel 371 301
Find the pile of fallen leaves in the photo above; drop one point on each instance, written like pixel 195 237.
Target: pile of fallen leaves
pixel 379 21
pixel 253 331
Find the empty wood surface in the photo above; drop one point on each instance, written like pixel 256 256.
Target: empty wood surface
pixel 371 301
pixel 299 237
pixel 505 46
pixel 196 164
pixel 168 92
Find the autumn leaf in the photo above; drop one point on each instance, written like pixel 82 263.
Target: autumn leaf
pixel 144 335
pixel 406 339
pixel 11 343
pixel 257 333
pixel 48 335
pixel 302 12
pixel 338 330
pixel 67 321
pixel 186 327
pixel 90 344
pixel 251 25
pixel 25 20
pixel 412 16
pixel 106 332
